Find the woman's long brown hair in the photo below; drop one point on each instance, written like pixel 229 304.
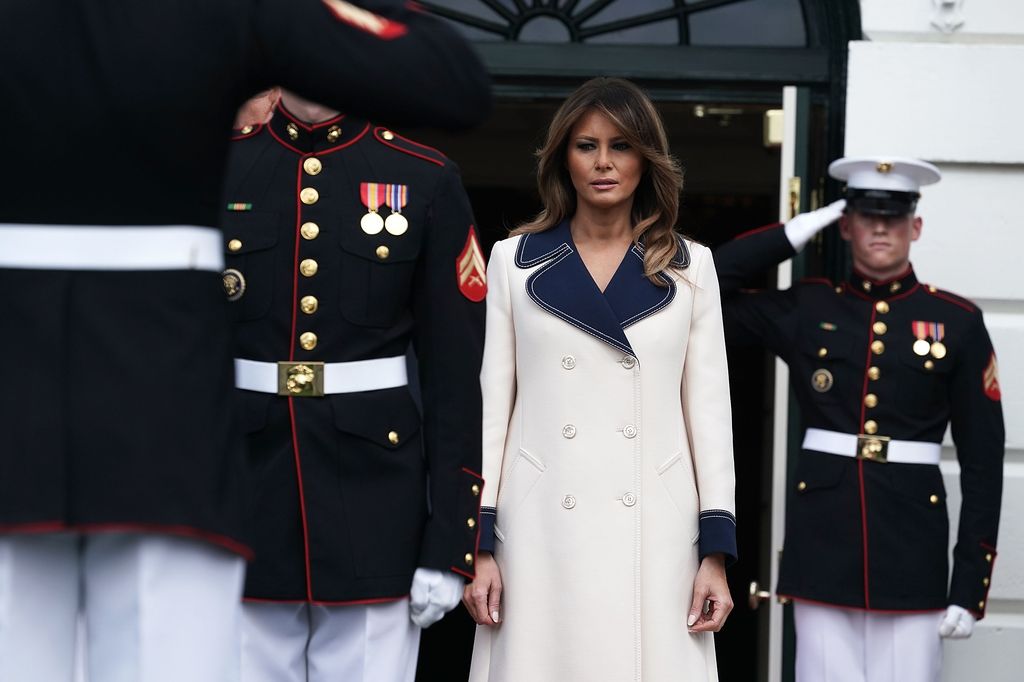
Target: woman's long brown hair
pixel 656 201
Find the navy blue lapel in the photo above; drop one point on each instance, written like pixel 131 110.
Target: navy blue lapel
pixel 563 287
pixel 631 295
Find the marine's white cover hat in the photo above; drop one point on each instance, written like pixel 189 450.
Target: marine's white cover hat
pixel 884 185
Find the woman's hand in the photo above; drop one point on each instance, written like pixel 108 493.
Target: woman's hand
pixel 709 586
pixel 482 597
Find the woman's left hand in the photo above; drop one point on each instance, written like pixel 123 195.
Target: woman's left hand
pixel 710 586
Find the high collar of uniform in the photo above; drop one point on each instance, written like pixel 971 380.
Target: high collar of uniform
pixel 306 138
pixel 879 289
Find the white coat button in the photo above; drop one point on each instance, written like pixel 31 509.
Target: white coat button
pixel 568 501
pixel 568 362
pixel 569 431
pixel 629 431
pixel 629 362
pixel 629 499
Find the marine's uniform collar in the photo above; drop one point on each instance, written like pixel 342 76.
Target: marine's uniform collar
pixel 315 138
pixel 880 289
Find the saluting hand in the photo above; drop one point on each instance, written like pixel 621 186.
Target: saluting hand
pixel 711 587
pixel 482 597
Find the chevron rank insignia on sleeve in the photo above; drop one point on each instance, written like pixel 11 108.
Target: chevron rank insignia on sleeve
pixel 471 269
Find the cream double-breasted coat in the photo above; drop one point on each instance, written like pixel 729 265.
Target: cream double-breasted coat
pixel 608 453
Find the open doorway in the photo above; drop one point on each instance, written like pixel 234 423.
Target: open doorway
pixel 731 186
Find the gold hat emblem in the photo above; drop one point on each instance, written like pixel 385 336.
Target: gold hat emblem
pixel 884 167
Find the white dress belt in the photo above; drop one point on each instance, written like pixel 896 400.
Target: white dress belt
pixel 103 247
pixel 879 448
pixel 335 377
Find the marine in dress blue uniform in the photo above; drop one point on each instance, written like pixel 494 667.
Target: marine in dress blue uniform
pixel 345 243
pixel 120 434
pixel 879 368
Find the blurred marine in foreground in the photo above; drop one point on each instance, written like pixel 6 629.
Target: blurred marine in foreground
pixel 121 462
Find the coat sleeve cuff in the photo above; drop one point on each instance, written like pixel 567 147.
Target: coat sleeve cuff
pixel 487 518
pixel 718 534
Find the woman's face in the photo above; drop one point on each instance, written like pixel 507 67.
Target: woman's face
pixel 604 168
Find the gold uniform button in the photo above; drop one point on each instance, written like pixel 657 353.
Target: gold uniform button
pixel 874 373
pixel 879 328
pixel 293 131
pixel 932 289
pixel 877 347
pixel 894 287
pixel 312 166
pixel 309 196
pixel 822 352
pixel 468 559
pixel 309 304
pixel 882 307
pixel 801 486
pixel 383 252
pixel 981 605
pixel 235 245
pixel 871 427
pixel 310 231
pixel 388 135
pixel 988 558
pixel 246 130
pixel 308 340
pixel 934 499
pixel 475 489
pixel 929 365
pixel 985 581
pixel 839 290
pixel 871 400
pixel 308 267
pixel 470 523
pixel 393 437
pixel 333 133
pixel 866 286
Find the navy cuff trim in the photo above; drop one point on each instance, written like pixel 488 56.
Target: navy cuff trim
pixel 487 517
pixel 718 534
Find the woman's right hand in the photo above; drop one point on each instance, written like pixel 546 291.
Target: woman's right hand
pixel 482 597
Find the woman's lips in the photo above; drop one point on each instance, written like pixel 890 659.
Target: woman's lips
pixel 604 183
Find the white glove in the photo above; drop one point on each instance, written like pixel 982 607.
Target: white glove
pixel 958 623
pixel 433 594
pixel 801 228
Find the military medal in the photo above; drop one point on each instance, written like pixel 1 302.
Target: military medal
pixel 938 332
pixel 921 346
pixel 396 198
pixel 372 195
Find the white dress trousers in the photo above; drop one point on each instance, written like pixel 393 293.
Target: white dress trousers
pixel 846 645
pixel 156 608
pixel 287 642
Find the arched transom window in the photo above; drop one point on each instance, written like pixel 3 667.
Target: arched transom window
pixel 739 23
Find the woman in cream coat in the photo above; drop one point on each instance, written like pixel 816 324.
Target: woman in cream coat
pixel 608 514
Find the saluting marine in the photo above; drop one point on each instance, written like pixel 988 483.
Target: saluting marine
pixel 346 242
pixel 880 364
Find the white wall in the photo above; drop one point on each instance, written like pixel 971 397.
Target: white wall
pixel 955 97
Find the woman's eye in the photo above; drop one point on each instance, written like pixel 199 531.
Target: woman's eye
pixel 585 146
pixel 620 146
